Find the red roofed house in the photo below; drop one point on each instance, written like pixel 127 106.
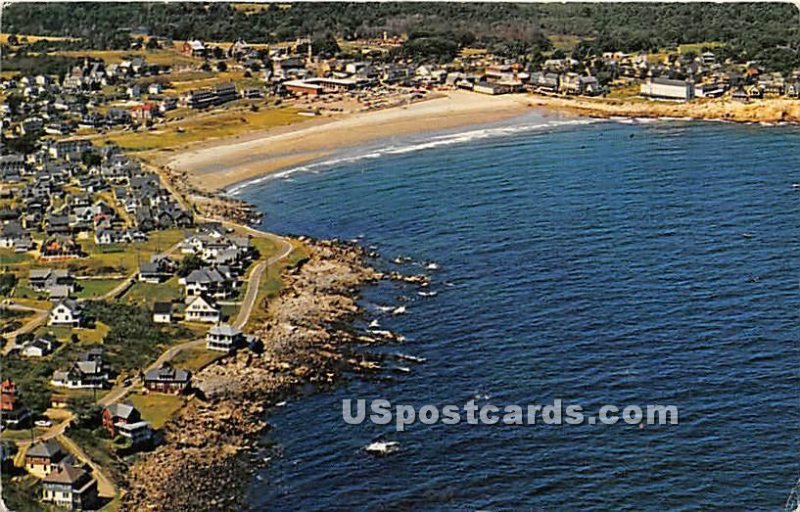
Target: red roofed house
pixel 145 112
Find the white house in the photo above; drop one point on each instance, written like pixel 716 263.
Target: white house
pixel 202 309
pixel 162 312
pixel 138 432
pixel 39 347
pixel 67 312
pixel 224 338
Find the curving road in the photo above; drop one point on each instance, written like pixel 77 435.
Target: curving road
pixel 105 486
pixel 30 325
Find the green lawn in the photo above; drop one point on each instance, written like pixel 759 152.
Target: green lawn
pixel 271 285
pixel 91 288
pixel 195 359
pixel 115 259
pixel 156 408
pixel 145 294
pixel 124 258
pixel 11 257
pixel 91 336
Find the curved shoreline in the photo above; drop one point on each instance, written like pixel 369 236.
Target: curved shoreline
pixel 223 164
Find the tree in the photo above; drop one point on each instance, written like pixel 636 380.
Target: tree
pixel 8 281
pixel 188 264
pixel 152 44
pixel 222 66
pixel 87 412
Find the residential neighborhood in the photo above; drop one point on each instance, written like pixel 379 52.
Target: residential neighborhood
pixel 134 278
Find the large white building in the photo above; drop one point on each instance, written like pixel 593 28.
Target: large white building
pixel 667 89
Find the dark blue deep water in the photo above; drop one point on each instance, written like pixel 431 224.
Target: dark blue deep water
pixel 608 262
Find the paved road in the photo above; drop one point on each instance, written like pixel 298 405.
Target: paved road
pixel 105 485
pixel 253 283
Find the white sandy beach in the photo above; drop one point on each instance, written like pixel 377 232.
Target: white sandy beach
pixel 221 163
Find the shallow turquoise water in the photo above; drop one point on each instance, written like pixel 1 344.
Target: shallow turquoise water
pixel 607 262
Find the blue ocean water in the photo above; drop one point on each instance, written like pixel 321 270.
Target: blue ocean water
pixel 600 263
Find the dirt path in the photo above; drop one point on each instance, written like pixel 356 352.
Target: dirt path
pixel 30 325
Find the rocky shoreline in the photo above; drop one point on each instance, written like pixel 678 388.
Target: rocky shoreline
pixel 772 110
pixel 208 451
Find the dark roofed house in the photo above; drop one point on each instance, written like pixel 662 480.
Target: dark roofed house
pixel 70 487
pixel 167 380
pixel 119 414
pixel 43 457
pixel 162 312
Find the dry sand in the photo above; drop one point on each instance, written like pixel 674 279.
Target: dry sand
pixel 222 163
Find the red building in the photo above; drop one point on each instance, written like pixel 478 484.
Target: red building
pixel 145 112
pixel 8 396
pixel 119 414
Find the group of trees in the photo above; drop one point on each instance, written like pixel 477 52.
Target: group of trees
pixel 769 32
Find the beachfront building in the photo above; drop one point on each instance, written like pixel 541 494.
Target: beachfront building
pixel 667 89
pixel 119 414
pixel 224 338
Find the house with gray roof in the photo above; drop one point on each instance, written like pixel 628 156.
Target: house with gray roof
pixel 70 487
pixel 167 380
pixel 224 338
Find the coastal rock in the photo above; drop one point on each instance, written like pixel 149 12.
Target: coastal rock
pixel 207 451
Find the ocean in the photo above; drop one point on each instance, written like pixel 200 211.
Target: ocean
pixel 597 262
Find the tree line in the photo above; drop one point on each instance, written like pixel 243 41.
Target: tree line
pixel 765 31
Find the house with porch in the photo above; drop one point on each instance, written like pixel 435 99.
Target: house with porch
pixel 70 487
pixel 202 309
pixel 167 380
pixel 224 338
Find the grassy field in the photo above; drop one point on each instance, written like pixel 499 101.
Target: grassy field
pixel 123 259
pixel 218 124
pixel 33 39
pixel 102 259
pixel 191 80
pixel 145 294
pixel 166 57
pixel 155 407
pixel 698 47
pixel 627 92
pixel 94 335
pixel 564 42
pixel 195 359
pixel 11 258
pixel 92 288
pixel 271 285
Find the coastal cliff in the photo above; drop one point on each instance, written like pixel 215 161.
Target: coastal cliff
pixel 774 110
pixel 208 447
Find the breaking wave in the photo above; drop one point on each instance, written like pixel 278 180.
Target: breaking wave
pixel 413 147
